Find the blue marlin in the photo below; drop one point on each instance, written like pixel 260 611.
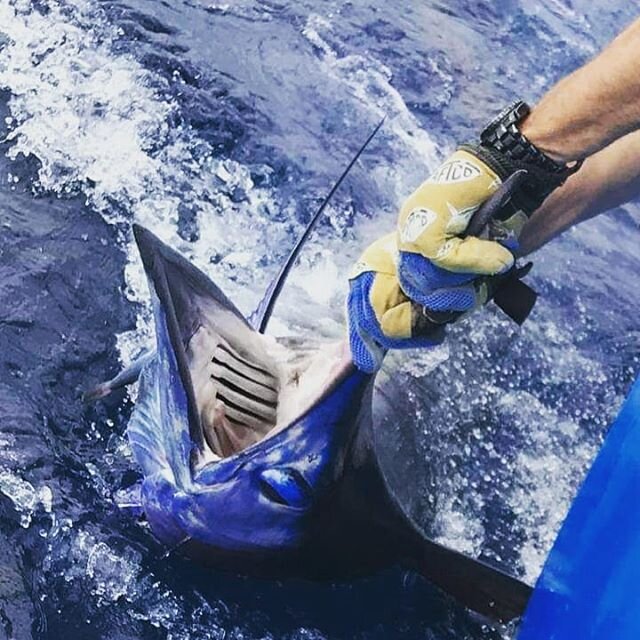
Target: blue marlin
pixel 262 457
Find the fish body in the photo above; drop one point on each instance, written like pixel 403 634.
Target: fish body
pixel 261 458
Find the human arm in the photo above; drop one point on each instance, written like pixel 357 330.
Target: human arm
pixel 607 179
pixel 593 106
pixel 582 116
pixel 591 114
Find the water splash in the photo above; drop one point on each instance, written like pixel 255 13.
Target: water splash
pixel 25 497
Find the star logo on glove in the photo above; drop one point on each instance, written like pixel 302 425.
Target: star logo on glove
pixel 459 218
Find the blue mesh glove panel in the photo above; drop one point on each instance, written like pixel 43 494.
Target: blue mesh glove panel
pixel 434 287
pixel 366 339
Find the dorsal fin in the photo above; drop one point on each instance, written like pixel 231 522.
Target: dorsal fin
pixel 261 316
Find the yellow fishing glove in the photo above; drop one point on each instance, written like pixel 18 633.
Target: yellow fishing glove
pixel 437 267
pixel 406 280
pixel 438 212
pixel 437 271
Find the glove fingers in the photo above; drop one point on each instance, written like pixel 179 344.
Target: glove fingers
pixel 419 277
pixel 396 322
pixel 473 255
pixel 507 232
pixel 369 338
pixel 384 294
pixel 367 319
pixel 495 206
pixel 404 315
pixel 363 357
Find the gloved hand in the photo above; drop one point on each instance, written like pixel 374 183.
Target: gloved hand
pixel 402 295
pixel 438 268
pixel 388 309
pixel 436 265
pixel 379 314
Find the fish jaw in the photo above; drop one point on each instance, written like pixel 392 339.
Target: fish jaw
pixel 263 497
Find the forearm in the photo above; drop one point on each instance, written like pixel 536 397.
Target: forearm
pixel 592 107
pixel 607 179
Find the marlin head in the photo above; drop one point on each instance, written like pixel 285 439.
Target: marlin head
pixel 238 436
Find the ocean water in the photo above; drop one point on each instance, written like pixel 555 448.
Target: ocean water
pixel 221 126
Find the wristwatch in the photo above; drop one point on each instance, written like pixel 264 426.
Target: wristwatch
pixel 505 149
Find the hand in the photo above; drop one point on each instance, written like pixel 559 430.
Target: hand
pixel 439 268
pixel 403 294
pixel 380 315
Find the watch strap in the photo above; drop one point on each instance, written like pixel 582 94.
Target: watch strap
pixel 505 149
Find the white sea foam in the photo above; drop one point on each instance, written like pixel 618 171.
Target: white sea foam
pixel 458 528
pixel 98 124
pixel 546 474
pixel 369 82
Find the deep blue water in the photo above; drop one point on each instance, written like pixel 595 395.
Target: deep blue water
pixel 221 126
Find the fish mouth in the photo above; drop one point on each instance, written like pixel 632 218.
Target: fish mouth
pixel 241 386
pixel 243 400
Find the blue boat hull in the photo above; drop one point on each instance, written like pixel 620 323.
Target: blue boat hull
pixel 589 588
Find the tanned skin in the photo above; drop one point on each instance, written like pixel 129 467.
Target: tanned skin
pixel 592 114
pixel 607 179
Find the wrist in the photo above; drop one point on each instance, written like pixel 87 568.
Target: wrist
pixel 506 149
pixel 541 132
